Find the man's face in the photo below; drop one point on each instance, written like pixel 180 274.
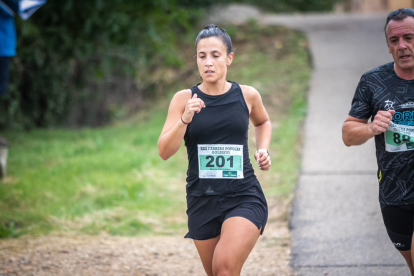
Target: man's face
pixel 400 40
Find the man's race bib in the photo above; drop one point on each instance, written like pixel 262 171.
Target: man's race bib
pixel 220 161
pixel 399 138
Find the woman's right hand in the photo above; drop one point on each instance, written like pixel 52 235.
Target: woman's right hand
pixel 194 105
pixel 175 127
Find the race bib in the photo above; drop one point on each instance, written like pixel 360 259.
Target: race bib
pixel 220 161
pixel 399 138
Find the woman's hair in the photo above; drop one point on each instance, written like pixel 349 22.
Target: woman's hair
pixel 212 30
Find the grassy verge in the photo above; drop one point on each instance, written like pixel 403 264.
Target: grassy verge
pixel 278 66
pixel 111 179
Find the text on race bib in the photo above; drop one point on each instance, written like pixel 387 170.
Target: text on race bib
pixel 399 138
pixel 220 161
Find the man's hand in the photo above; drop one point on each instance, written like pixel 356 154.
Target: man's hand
pixel 381 121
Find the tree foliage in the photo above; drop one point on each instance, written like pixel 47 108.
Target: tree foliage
pixel 293 5
pixel 86 62
pixel 80 62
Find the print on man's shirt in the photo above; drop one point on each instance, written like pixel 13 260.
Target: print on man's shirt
pixel 400 133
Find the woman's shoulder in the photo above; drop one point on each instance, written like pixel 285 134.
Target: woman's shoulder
pixel 185 93
pixel 249 92
pixel 180 99
pixel 248 88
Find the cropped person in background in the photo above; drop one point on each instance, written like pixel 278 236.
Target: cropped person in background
pixel 8 41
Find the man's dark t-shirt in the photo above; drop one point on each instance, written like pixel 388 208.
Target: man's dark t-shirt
pixel 381 89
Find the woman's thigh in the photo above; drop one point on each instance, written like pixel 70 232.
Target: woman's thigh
pixel 238 237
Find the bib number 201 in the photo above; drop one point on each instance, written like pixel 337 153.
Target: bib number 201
pixel 220 161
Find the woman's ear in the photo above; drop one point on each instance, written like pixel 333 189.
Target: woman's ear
pixel 230 58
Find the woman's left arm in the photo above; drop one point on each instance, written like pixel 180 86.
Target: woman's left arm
pixel 262 126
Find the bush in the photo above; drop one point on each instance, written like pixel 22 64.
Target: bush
pixel 293 5
pixel 84 63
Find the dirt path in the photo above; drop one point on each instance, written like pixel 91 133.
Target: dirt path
pixel 70 255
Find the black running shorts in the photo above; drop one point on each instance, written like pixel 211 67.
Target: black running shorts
pixel 399 222
pixel 206 214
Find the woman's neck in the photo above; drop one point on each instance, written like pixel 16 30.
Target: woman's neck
pixel 216 88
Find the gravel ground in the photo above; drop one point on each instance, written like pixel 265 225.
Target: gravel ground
pixel 70 255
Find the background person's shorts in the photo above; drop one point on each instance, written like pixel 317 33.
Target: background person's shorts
pixel 206 214
pixel 399 222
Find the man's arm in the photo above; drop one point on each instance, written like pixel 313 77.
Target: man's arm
pixel 357 131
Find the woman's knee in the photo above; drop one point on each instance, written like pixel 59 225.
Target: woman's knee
pixel 223 271
pixel 225 266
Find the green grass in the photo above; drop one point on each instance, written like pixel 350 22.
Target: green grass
pixel 279 68
pixel 89 180
pixel 111 179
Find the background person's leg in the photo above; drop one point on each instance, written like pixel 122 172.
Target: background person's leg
pixel 4 81
pixel 3 157
pixel 4 74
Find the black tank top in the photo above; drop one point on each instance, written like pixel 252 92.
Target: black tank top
pixel 216 141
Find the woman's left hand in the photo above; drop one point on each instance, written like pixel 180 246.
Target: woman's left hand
pixel 263 160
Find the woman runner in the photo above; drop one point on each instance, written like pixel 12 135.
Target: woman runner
pixel 226 207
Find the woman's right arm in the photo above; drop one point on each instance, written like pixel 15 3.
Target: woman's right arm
pixel 182 108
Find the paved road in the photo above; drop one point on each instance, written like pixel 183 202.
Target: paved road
pixel 336 224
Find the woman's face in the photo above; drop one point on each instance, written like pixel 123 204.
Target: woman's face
pixel 212 59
